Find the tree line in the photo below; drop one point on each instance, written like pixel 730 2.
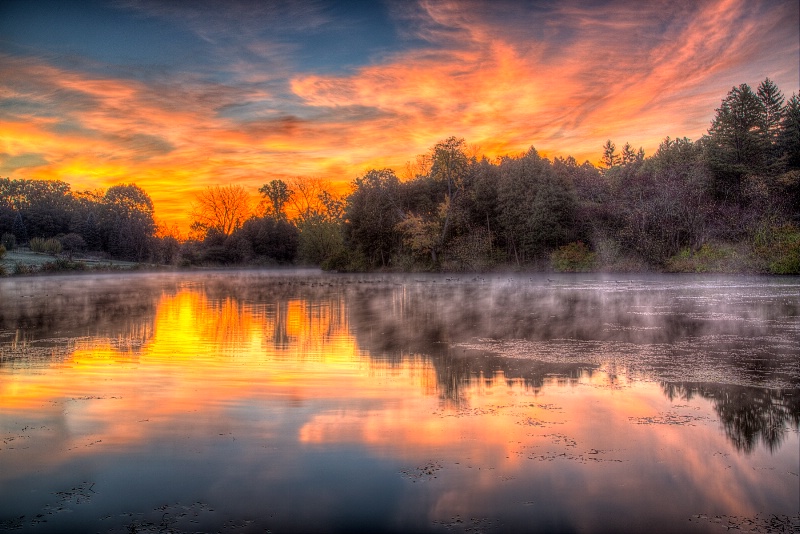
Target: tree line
pixel 729 201
pixel 118 222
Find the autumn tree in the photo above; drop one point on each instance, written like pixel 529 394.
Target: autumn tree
pixel 449 164
pixel 222 209
pixel 448 172
pixel 317 212
pixel 305 201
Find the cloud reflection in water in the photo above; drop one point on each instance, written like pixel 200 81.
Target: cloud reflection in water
pixel 514 401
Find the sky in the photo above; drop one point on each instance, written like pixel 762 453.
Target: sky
pixel 178 96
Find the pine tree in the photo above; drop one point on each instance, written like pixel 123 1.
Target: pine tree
pixel 19 230
pixel 628 154
pixel 735 141
pixel 91 233
pixel 773 101
pixel 610 158
pixel 773 111
pixel 790 132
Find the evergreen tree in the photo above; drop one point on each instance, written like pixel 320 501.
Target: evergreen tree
pixel 773 100
pixel 536 207
pixel 790 132
pixel 19 230
pixel 773 111
pixel 790 146
pixel 91 233
pixel 736 141
pixel 610 158
pixel 628 154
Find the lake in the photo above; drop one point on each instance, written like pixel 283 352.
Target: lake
pixel 299 401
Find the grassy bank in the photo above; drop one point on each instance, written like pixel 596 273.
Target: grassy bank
pixel 23 261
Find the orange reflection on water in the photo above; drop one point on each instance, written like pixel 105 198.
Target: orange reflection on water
pixel 206 355
pixel 258 380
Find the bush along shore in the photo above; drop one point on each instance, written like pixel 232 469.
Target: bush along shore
pixel 728 202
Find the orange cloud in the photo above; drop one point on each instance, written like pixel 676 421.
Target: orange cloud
pixel 504 77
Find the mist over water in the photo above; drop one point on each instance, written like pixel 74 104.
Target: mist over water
pixel 296 401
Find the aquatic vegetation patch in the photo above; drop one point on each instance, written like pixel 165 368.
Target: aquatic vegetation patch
pixel 80 494
pixel 66 501
pixel 475 525
pixel 19 439
pixel 667 418
pixel 590 456
pixel 531 421
pixel 168 518
pixel 561 439
pixel 756 523
pixel 424 472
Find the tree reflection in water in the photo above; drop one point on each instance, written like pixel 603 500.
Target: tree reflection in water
pixel 748 414
pixel 743 336
pixel 419 397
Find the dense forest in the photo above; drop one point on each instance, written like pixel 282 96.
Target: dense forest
pixel 727 202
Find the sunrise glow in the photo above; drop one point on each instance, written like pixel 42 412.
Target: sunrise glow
pixel 176 97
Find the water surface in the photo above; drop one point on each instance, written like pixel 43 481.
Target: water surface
pixel 297 401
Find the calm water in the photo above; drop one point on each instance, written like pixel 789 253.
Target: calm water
pixel 251 402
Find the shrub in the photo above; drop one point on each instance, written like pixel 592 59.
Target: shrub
pixel 9 241
pixel 22 268
pixel 73 243
pixel 779 248
pixel 37 244
pixel 189 253
pixel 574 257
pixel 709 258
pixel 345 261
pixel 50 246
pixel 62 264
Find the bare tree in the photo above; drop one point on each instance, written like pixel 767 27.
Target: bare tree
pixel 421 166
pixel 223 209
pixel 307 199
